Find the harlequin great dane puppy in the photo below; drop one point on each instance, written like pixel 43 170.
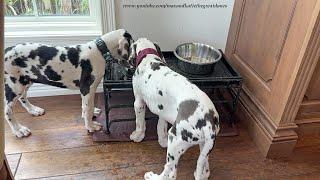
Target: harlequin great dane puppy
pixel 74 67
pixel 174 99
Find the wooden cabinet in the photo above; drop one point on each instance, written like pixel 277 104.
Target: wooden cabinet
pixel 313 91
pixel 275 47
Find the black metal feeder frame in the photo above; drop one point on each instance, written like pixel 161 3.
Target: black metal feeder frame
pixel 224 77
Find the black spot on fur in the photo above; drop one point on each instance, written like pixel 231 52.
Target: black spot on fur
pixel 62 71
pixel 8 49
pixel 90 47
pixel 160 107
pixel 24 80
pixel 195 139
pixel 86 78
pixel 20 61
pixel 63 57
pixel 171 157
pixel 160 93
pixel 77 83
pixel 46 53
pixel 201 123
pixel 43 79
pixel 51 74
pixel 10 95
pixel 167 73
pixel 213 136
pixel 73 56
pixel 138 71
pixel 23 100
pixel 6 59
pixel 149 76
pixel 32 54
pixel 186 135
pixel 158 59
pixel 13 79
pixel 186 109
pixel 156 66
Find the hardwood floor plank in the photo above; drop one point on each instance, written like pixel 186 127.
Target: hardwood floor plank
pixel 49 139
pixel 13 160
pixel 118 155
pixel 53 103
pixel 84 159
pixel 51 120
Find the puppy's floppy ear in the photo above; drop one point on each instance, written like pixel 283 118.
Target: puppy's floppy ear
pixel 159 51
pixel 128 37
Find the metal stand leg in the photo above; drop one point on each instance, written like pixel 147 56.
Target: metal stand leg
pixel 106 106
pixel 235 101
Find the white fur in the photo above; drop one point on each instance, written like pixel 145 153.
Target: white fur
pixel 114 40
pixel 175 90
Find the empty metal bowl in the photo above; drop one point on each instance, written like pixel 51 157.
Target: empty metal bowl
pixel 197 58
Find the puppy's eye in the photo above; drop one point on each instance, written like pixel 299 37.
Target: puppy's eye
pixel 119 51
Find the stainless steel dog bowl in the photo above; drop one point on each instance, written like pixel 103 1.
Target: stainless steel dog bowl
pixel 197 58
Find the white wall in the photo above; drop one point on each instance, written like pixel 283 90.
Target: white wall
pixel 172 26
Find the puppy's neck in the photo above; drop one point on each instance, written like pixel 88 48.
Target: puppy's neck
pixel 143 53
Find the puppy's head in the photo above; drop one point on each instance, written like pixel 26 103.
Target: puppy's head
pixel 138 46
pixel 119 42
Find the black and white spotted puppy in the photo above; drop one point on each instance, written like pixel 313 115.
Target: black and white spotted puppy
pixel 177 101
pixel 74 67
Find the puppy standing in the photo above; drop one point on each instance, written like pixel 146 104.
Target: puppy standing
pixel 177 101
pixel 74 67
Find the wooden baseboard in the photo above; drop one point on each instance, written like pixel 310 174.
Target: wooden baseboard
pixel 273 141
pixel 5 173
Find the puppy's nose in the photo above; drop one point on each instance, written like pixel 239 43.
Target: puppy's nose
pixel 125 56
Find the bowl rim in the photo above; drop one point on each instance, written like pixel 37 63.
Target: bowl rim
pixel 182 59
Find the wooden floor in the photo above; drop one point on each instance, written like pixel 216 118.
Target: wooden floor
pixel 59 148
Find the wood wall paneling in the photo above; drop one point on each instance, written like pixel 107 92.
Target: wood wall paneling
pixel 273 44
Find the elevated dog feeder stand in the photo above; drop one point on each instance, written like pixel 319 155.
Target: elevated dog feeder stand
pixel 223 80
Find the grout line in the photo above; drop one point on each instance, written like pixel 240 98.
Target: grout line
pixel 15 172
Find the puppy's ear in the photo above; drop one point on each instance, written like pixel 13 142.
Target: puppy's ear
pixel 159 51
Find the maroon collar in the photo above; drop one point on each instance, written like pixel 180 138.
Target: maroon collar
pixel 142 54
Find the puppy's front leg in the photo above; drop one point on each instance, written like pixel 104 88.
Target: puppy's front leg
pixel 87 112
pixel 140 110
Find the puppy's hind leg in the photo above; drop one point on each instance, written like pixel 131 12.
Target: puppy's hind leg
pixel 12 93
pixel 203 172
pixel 140 110
pixel 32 109
pixel 162 129
pixel 176 147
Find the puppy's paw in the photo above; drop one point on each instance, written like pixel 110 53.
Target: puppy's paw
pixel 137 136
pixel 36 111
pixel 22 131
pixel 96 111
pixel 163 142
pixel 151 176
pixel 204 176
pixel 95 126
